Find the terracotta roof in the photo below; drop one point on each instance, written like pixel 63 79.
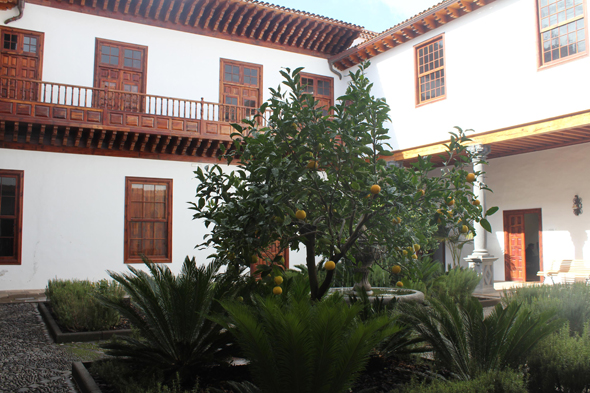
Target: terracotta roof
pixel 248 21
pixel 430 19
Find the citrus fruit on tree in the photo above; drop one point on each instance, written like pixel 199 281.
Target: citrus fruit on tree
pixel 330 265
pixel 405 252
pixel 396 269
pixel 375 189
pixel 464 229
pixel 312 164
pixel 470 177
pixel 300 214
pixel 254 259
pixel 421 192
pixel 277 290
pixel 414 256
pixel 416 247
pixel 278 280
pixel 399 284
pixel 476 202
pixel 450 202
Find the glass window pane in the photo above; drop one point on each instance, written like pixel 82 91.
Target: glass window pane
pixel 580 23
pixel 106 49
pixel 8 186
pixel 563 51
pixel 553 20
pixel 6 247
pixel 547 57
pixel 582 46
pixel 581 34
pixel 570 13
pixel 149 192
pixel 7 227
pixel 572 49
pixel 114 51
pixel 128 62
pixel 7 206
pixel 561 5
pixel 246 71
pixel 137 54
pixel 561 17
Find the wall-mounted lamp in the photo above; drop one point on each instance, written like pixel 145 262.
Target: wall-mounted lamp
pixel 577 205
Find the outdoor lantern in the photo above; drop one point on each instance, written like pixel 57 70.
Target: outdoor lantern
pixel 577 205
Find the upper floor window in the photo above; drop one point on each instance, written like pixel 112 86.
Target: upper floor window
pixel 430 71
pixel 320 87
pixel 562 29
pixel 11 205
pixel 148 219
pixel 240 89
pixel 21 57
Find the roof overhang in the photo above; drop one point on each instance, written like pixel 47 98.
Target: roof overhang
pixel 248 21
pixel 433 18
pixel 566 130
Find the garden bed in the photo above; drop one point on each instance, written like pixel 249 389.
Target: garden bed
pixel 381 373
pixel 60 336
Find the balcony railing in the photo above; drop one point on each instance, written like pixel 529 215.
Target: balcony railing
pixel 139 104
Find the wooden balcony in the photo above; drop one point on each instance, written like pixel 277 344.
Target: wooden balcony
pixel 37 115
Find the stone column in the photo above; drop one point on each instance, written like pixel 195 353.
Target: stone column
pixel 480 260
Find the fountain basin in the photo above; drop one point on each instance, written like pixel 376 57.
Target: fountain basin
pixel 400 294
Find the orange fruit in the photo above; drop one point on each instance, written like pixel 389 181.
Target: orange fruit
pixel 414 256
pixel 277 290
pixel 396 269
pixel 330 265
pixel 416 247
pixel 405 252
pixel 240 299
pixel 312 164
pixel 476 202
pixel 421 192
pixel 300 214
pixel 450 202
pixel 399 284
pixel 278 280
pixel 464 229
pixel 254 258
pixel 470 177
pixel 375 189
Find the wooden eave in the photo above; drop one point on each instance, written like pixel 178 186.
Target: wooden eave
pixel 433 18
pixel 567 130
pixel 247 21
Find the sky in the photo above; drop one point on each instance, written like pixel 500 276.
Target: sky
pixel 375 15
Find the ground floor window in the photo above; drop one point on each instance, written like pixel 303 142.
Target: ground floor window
pixel 11 218
pixel 148 219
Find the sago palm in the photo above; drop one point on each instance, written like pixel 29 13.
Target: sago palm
pixel 303 347
pixel 468 344
pixel 171 314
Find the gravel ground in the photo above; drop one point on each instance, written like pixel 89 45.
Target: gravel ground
pixel 29 360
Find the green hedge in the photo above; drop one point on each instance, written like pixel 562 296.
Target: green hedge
pixel 507 381
pixel 561 363
pixel 76 308
pixel 570 301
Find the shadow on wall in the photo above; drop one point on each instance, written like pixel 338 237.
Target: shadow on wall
pixel 580 242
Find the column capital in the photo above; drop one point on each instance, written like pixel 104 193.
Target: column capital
pixel 480 150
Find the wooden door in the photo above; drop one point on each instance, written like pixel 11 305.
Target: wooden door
pixel 514 254
pixel 120 67
pixel 240 87
pixel 21 57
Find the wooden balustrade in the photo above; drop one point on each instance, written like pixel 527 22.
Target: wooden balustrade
pixel 120 108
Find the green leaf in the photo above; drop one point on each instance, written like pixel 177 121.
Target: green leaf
pixel 491 210
pixel 486 225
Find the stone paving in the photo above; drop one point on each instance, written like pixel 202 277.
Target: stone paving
pixel 29 360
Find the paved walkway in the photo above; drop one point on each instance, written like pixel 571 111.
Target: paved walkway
pixel 29 360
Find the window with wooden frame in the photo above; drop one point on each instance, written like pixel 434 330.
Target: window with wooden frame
pixel 122 67
pixel 241 89
pixel 562 30
pixel 21 54
pixel 11 216
pixel 430 71
pixel 321 88
pixel 148 219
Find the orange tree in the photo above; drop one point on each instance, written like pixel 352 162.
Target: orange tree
pixel 318 180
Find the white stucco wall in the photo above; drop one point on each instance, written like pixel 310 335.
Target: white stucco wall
pixel 492 78
pixel 73 215
pixel 547 180
pixel 180 65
